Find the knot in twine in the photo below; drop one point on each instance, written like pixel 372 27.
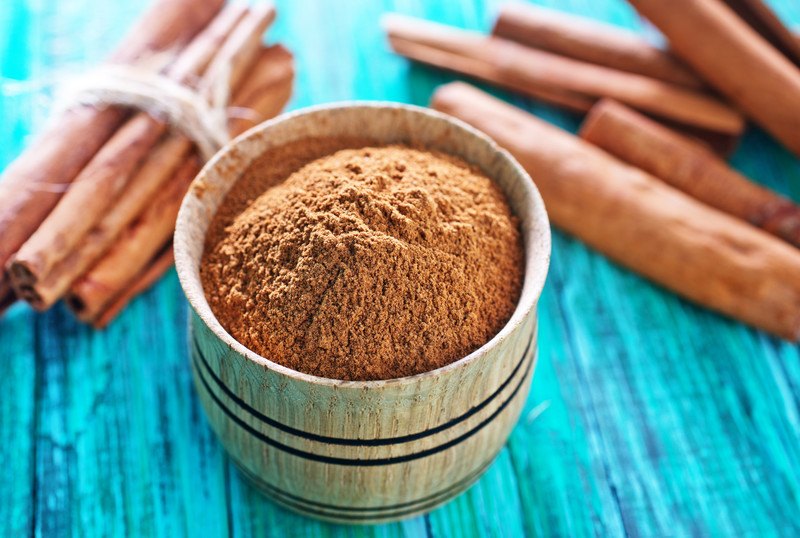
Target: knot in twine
pixel 201 116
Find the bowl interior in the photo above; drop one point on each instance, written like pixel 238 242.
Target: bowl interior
pixel 384 123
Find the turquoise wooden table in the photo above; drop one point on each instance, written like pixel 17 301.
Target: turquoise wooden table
pixel 647 417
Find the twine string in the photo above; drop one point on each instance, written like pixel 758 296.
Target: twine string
pixel 202 119
pixel 202 115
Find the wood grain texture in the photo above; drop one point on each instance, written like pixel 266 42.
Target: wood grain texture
pixel 647 416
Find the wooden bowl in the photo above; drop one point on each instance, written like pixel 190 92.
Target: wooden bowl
pixel 362 451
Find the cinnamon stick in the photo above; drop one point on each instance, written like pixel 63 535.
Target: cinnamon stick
pixel 36 180
pixel 690 167
pixel 720 143
pixel 763 20
pixel 590 41
pixel 141 283
pixel 641 222
pixel 240 49
pixel 518 67
pixel 129 257
pixel 458 63
pixel 262 95
pixel 266 91
pixel 91 295
pixel 734 59
pixel 104 178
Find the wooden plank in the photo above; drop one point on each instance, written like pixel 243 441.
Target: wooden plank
pixel 676 427
pixel 122 445
pixel 18 384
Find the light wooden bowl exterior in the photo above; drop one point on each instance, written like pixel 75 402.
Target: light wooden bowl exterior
pixel 364 451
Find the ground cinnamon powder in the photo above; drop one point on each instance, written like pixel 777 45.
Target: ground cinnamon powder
pixel 360 264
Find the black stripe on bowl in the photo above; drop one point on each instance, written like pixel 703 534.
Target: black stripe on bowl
pixel 363 513
pixel 363 462
pixel 383 441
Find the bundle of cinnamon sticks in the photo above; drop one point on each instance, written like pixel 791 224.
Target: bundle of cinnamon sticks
pixel 644 186
pixel 88 210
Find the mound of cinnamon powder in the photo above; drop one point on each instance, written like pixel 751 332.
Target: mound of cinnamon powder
pixel 360 264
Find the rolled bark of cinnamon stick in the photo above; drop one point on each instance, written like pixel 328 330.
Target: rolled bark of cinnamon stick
pixel 766 22
pixel 240 49
pixel 140 284
pixel 102 289
pixel 94 291
pixel 266 91
pixel 590 41
pixel 202 51
pixel 641 222
pixel 262 95
pixel 34 182
pixel 107 174
pixel 486 71
pixel 515 66
pixel 687 166
pixel 734 59
pixel 720 143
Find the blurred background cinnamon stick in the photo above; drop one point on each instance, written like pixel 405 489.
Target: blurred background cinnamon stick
pixel 590 41
pixel 763 20
pixel 735 59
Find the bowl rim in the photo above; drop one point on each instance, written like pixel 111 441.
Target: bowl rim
pixel 540 225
